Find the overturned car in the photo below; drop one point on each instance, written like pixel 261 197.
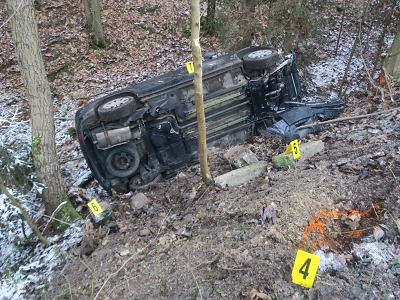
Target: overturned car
pixel 148 130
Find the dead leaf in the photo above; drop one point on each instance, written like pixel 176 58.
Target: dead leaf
pixel 253 294
pixel 378 233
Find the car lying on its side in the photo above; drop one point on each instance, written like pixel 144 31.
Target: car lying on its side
pixel 148 130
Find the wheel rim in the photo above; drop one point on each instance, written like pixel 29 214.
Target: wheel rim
pixel 122 161
pixel 260 53
pixel 116 103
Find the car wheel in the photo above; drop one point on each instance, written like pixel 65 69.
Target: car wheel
pixel 116 108
pixel 260 59
pixel 122 161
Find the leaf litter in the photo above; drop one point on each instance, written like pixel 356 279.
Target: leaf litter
pixel 148 39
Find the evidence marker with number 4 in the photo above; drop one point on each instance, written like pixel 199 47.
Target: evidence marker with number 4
pixel 305 268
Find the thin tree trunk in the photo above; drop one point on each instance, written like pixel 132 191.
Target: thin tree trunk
pixel 353 49
pixel 341 27
pixel 99 38
pixel 30 61
pixel 88 13
pixel 198 85
pixel 391 64
pixel 210 21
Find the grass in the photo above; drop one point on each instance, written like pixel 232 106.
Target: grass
pixel 163 287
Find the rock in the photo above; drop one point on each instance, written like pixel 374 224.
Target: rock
pixel 307 150
pixel 102 217
pixel 144 232
pixel 139 200
pixel 124 252
pixel 239 156
pixel 84 179
pixel 242 175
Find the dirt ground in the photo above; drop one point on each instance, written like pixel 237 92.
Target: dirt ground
pixel 189 241
pixel 215 245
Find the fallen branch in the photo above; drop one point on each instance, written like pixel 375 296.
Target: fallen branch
pixel 347 118
pixel 14 202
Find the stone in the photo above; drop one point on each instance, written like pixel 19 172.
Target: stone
pixel 84 179
pixel 139 200
pixel 239 156
pixel 307 150
pixel 102 217
pixel 144 232
pixel 242 175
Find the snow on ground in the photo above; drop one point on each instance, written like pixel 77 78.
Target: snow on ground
pixel 24 268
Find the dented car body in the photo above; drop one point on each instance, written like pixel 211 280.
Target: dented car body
pixel 148 130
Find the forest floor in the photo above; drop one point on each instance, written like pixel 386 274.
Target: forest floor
pixel 189 241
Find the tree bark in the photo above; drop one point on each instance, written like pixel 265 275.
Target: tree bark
pixel 99 38
pixel 88 14
pixel 210 20
pixel 30 61
pixel 391 64
pixel 198 85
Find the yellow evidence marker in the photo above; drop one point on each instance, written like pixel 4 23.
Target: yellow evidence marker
pixel 294 148
pixel 95 207
pixel 190 67
pixel 305 268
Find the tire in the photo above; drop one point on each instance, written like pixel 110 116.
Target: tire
pixel 122 161
pixel 116 108
pixel 259 60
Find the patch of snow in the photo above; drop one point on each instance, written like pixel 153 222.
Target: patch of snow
pixel 329 261
pixel 376 253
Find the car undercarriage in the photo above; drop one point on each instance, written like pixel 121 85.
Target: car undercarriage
pixel 146 131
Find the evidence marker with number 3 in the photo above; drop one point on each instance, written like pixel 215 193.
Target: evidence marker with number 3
pixel 305 268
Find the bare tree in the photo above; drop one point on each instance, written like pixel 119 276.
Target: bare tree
pixel 198 86
pixel 30 61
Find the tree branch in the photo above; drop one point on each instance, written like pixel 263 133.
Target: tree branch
pixel 347 118
pixel 14 202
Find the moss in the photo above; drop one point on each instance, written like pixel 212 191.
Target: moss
pixel 67 214
pixel 36 145
pixel 282 161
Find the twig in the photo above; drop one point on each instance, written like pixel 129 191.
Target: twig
pixel 131 257
pixel 54 212
pixel 197 284
pixel 58 220
pixel 353 48
pixel 13 14
pixel 341 27
pixel 347 118
pixel 69 285
pixel 210 262
pixel 235 269
pixel 369 284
